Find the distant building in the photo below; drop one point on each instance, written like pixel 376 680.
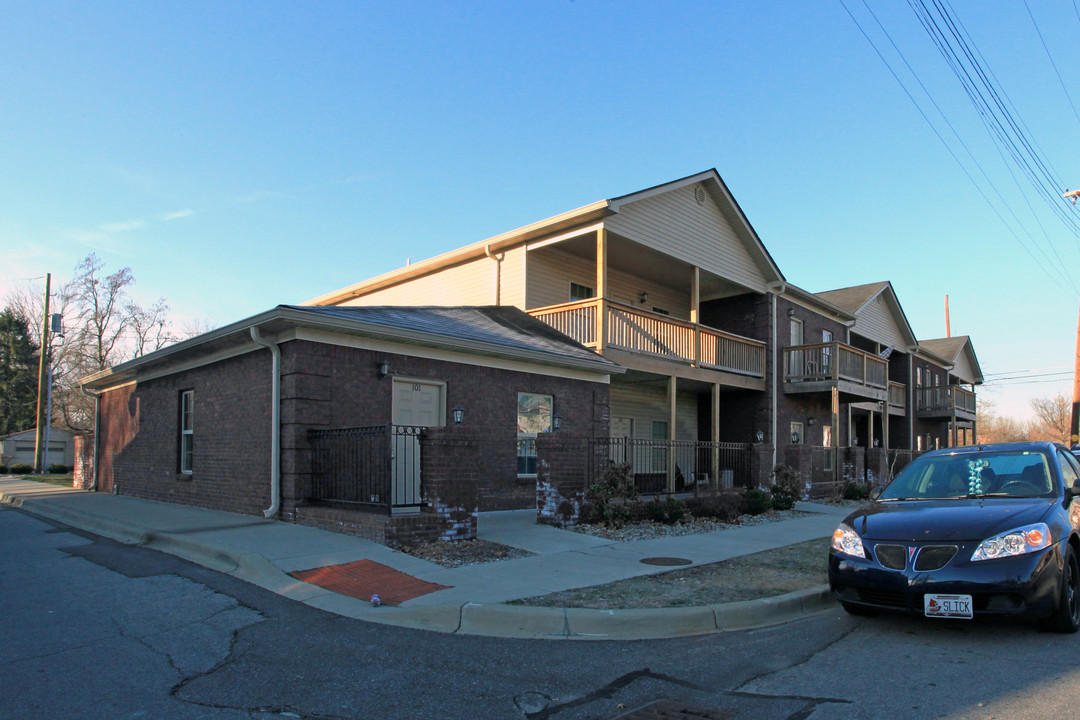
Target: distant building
pixel 19 447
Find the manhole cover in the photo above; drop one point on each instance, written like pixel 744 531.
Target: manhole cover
pixel 666 561
pixel 671 710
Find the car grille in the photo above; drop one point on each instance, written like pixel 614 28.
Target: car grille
pixel 893 557
pixel 886 598
pixel 934 557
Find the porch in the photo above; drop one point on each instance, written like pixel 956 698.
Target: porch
pixel 823 367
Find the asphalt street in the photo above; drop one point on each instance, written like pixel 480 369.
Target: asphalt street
pixel 96 629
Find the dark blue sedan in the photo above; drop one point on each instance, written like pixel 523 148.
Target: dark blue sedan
pixel 968 532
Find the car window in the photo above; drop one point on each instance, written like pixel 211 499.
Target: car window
pixel 1070 472
pixel 1014 473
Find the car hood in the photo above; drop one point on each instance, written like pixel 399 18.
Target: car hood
pixel 946 520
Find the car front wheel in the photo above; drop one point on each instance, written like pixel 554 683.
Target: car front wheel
pixel 1066 619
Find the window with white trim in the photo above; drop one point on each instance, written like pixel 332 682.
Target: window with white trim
pixel 581 292
pixel 187 430
pixel 533 417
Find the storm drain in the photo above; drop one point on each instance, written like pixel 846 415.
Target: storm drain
pixel 666 561
pixel 671 710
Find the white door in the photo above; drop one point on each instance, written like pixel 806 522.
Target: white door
pixel 415 404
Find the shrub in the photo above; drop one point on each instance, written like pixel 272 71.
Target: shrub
pixel 787 487
pixel 724 505
pixel 669 512
pixel 3 470
pixel 756 501
pixel 608 501
pixel 21 469
pixel 58 469
pixel 856 491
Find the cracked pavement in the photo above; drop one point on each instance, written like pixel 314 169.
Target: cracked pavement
pixel 95 629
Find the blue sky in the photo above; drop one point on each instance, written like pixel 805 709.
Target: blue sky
pixel 240 155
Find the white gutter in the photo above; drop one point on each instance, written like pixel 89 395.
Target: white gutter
pixel 775 374
pixel 97 419
pixel 275 422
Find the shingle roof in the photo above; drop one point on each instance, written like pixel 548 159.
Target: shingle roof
pixel 503 327
pixel 948 348
pixel 853 298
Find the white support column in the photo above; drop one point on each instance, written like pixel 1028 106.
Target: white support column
pixel 672 387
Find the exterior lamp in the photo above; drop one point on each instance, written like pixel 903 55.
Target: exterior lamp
pixel 794 438
pixel 384 369
pixel 556 421
pixel 759 435
pixel 791 312
pixel 458 414
pixel 643 297
pixel 810 421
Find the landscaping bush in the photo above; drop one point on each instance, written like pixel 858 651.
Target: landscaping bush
pixel 669 512
pixel 21 469
pixel 756 501
pixel 856 491
pixel 3 470
pixel 58 469
pixel 609 500
pixel 787 487
pixel 723 505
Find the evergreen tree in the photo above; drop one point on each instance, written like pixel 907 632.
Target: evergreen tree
pixel 18 374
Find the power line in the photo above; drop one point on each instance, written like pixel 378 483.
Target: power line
pixel 1051 58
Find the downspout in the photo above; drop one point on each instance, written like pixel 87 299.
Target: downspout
pixel 498 272
pixel 275 422
pixel 775 384
pixel 97 423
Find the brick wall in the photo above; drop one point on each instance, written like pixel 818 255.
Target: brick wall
pixel 562 470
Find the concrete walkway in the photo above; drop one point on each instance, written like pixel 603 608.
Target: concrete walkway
pixel 264 552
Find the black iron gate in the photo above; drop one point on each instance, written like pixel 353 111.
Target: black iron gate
pixel 376 466
pixel 661 466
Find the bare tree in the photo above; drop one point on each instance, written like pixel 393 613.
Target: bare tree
pixel 103 327
pixel 1053 417
pixel 994 428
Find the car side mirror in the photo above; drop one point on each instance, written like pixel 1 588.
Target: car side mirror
pixel 1074 491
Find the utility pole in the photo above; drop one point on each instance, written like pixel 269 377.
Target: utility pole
pixel 43 421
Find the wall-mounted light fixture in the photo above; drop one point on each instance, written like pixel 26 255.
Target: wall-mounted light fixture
pixel 556 421
pixel 384 368
pixel 643 297
pixel 794 438
pixel 810 421
pixel 791 312
pixel 458 413
pixel 759 435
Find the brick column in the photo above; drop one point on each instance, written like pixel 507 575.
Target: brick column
pixel 877 466
pixel 561 474
pixel 761 466
pixel 450 478
pixel 84 462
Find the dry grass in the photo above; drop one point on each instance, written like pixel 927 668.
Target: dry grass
pixel 748 577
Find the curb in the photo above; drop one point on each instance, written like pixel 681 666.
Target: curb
pixel 490 620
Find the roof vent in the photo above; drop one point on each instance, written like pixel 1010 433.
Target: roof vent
pixel 699 195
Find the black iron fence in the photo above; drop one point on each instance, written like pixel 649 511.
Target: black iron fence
pixel 376 466
pixel 664 466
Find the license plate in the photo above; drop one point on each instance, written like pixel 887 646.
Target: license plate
pixel 947 606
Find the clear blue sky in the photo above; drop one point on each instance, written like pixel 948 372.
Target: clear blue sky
pixel 240 155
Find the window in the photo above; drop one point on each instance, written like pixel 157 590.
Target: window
pixel 826 440
pixel 661 311
pixel 533 417
pixel 826 352
pixel 918 377
pixel 581 292
pixel 187 430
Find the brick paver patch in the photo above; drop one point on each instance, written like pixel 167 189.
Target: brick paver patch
pixel 364 578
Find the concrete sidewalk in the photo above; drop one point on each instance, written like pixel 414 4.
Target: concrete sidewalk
pixel 264 552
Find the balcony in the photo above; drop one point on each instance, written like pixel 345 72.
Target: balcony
pixel 640 333
pixel 944 402
pixel 856 374
pixel 897 398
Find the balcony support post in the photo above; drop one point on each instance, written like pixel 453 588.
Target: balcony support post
pixel 672 386
pixel 695 311
pixel 601 290
pixel 835 440
pixel 885 429
pixel 716 435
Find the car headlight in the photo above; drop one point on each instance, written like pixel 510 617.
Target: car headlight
pixel 846 540
pixel 1015 542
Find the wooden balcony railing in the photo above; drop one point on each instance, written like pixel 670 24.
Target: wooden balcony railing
pixel 897 395
pixel 833 362
pixel 640 331
pixel 944 400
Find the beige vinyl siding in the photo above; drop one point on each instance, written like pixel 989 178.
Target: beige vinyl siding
pixel 552 270
pixel 472 283
pixel 701 235
pixel 963 369
pixel 513 278
pixel 877 322
pixel 644 404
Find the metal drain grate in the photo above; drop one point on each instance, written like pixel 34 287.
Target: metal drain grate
pixel 666 561
pixel 672 710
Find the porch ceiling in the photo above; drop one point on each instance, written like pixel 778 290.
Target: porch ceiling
pixel 636 259
pixel 687 382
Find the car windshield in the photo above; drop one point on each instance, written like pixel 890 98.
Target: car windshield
pixel 1015 473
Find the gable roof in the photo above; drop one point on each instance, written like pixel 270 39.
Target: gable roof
pixel 960 353
pixel 581 217
pixel 857 298
pixel 498 332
